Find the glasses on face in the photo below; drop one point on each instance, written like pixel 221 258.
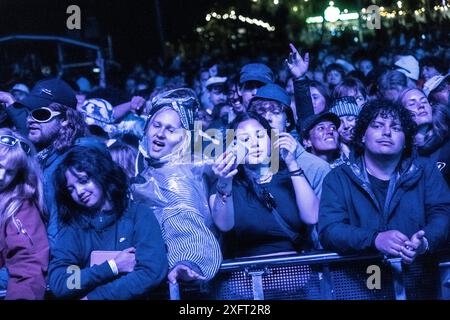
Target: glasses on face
pixel 12 141
pixel 272 109
pixel 44 114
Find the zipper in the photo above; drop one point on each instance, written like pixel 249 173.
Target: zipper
pixel 22 229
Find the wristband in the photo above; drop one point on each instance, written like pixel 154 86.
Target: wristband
pixel 113 266
pixel 296 173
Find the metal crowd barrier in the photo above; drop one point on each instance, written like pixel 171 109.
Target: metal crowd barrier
pixel 320 276
pixel 325 276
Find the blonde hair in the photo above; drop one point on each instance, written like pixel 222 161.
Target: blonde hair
pixel 27 184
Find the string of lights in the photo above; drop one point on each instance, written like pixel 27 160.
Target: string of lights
pixel 232 15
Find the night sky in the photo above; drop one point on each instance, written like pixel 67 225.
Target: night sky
pixel 131 23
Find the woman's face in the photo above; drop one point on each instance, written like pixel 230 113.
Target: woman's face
pixel 318 100
pixel 323 137
pixel 253 136
pixel 84 190
pixel 360 100
pixel 7 174
pixel 417 103
pixel 164 133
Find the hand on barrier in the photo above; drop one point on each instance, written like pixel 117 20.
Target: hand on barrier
pixel 184 273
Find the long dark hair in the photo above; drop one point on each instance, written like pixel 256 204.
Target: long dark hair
pixel 241 175
pixel 440 131
pixel 100 167
pixel 75 128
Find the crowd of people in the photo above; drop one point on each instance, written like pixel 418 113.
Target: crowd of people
pixel 349 156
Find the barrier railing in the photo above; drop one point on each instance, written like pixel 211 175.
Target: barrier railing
pixel 320 276
pixel 326 276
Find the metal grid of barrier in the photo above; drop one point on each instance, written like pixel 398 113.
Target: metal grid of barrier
pixel 318 277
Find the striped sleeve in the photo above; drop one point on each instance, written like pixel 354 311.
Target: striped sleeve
pixel 189 239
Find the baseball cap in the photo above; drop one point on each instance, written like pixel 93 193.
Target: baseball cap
pixel 256 72
pixel 433 83
pixel 50 91
pixel 312 120
pixel 215 81
pixel 409 66
pixel 273 91
pixel 20 87
pixel 99 112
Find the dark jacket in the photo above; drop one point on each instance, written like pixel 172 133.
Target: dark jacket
pixel 350 216
pixel 303 103
pixel 137 227
pixel 17 116
pixel 24 251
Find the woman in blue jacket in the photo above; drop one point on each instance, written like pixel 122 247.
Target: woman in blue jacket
pixel 96 215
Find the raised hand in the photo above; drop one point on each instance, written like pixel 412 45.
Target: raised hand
pixel 296 64
pixel 288 146
pixel 136 104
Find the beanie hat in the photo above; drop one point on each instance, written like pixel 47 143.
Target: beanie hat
pixel 345 106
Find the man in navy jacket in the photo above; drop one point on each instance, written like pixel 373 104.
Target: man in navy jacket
pixel 384 198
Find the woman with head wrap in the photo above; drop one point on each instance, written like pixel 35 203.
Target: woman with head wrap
pixel 173 186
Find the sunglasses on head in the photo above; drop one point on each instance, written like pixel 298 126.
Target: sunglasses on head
pixel 44 114
pixel 11 141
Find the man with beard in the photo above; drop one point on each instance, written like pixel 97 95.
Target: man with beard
pixel 53 126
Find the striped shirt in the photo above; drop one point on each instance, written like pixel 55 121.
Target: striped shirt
pixel 179 200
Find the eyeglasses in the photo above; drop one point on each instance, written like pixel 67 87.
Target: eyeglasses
pixel 11 142
pixel 44 114
pixel 261 110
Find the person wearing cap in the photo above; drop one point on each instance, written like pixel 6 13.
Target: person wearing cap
pixel 385 199
pixel 321 137
pixel 53 126
pixel 432 136
pixel 437 89
pixel 170 183
pixel 41 95
pixel 431 67
pixel 347 110
pixel 253 76
pixel 272 102
pixel 216 87
pixel 98 115
pixel 20 91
